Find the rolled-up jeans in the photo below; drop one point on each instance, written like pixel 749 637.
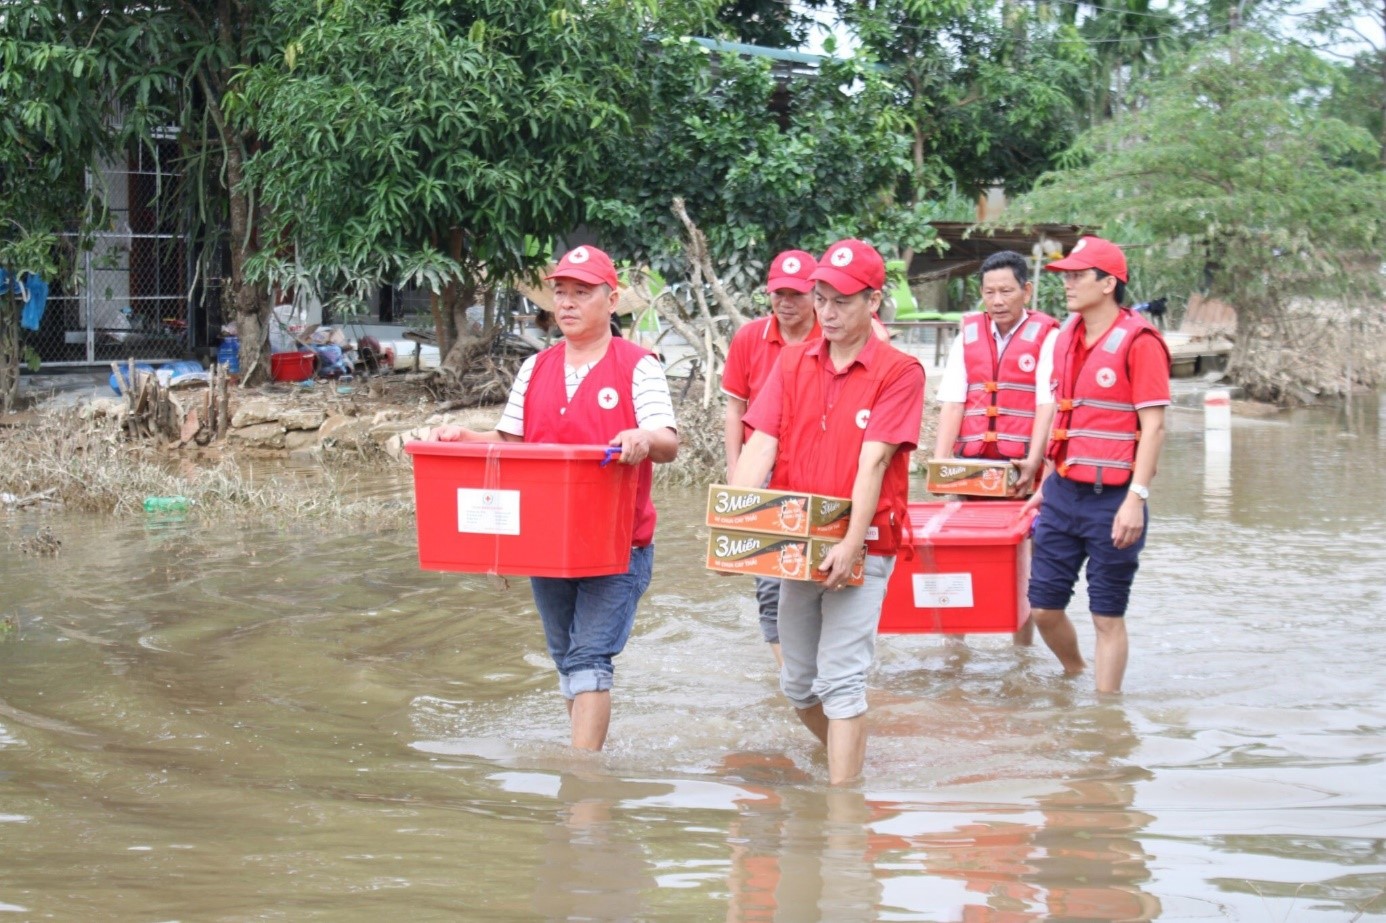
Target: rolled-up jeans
pixel 587 621
pixel 828 639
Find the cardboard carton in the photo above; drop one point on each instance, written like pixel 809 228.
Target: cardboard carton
pixel 777 512
pixel 976 477
pixel 783 557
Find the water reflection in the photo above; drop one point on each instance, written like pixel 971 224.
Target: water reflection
pixel 1217 473
pixel 590 866
pixel 246 722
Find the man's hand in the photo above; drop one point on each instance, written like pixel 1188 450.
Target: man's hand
pixel 837 564
pixel 1129 522
pixel 635 445
pixel 452 434
pixel 1026 480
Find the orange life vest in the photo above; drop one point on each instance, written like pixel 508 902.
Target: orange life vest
pixel 999 414
pixel 1096 427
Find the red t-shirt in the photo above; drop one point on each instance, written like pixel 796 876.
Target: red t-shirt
pixel 894 418
pixel 752 354
pixel 1148 367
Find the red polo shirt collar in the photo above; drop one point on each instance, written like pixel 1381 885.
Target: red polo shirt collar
pixel 819 349
pixel 773 335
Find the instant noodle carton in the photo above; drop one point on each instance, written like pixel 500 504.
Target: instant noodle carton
pixel 976 477
pixel 784 557
pixel 777 512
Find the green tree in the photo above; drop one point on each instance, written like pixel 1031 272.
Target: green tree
pixel 1129 39
pixel 1234 178
pixel 194 51
pixel 762 166
pixel 433 142
pixel 63 68
pixel 988 92
pixel 769 23
pixel 1356 30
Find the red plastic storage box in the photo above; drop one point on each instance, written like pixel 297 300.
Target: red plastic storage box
pixel 969 571
pixel 522 509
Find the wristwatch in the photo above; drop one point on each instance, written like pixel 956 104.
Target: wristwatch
pixel 1140 490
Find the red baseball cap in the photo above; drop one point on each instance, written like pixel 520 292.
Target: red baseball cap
pixel 791 270
pixel 586 264
pixel 1093 253
pixel 850 266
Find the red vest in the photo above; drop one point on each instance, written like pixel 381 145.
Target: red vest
pixel 820 446
pixel 1096 427
pixel 601 407
pixel 999 415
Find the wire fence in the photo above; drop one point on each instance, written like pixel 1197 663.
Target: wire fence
pixel 130 295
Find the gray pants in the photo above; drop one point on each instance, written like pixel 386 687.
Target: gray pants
pixel 829 639
pixel 768 599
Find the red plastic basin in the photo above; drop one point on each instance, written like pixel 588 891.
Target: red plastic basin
pixel 293 366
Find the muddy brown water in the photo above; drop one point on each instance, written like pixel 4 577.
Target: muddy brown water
pixel 229 723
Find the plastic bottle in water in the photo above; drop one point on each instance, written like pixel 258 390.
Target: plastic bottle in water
pixel 165 504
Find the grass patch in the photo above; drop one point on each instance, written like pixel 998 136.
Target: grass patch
pixel 90 467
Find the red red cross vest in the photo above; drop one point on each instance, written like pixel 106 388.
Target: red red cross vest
pixel 820 446
pixel 601 407
pixel 1096 427
pixel 999 414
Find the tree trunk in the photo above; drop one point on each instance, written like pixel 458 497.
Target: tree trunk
pixel 252 304
pixel 9 350
pixel 458 296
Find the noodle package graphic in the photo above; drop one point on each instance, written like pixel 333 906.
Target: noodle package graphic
pixel 975 477
pixel 778 556
pixel 777 512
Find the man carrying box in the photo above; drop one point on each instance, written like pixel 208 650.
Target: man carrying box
pixel 995 387
pixel 752 354
pixel 838 416
pixel 1111 384
pixel 590 388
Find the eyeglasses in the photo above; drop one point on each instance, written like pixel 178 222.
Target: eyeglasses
pixel 1074 275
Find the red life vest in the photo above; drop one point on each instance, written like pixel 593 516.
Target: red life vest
pixel 601 407
pixel 999 414
pixel 820 445
pixel 1096 427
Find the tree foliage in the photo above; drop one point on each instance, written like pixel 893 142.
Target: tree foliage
pixel 429 141
pixel 63 70
pixel 988 92
pixel 763 166
pixel 1236 179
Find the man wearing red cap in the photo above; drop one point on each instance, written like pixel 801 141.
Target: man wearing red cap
pixel 838 416
pixel 1111 387
pixel 589 388
pixel 753 352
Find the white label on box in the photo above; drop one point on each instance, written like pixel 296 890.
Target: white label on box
pixel 942 591
pixel 488 512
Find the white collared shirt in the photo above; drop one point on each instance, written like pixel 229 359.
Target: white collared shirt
pixel 952 386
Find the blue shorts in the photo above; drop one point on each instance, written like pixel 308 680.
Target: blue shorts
pixel 1075 525
pixel 587 621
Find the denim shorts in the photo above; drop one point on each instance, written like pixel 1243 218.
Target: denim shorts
pixel 587 621
pixel 828 639
pixel 1075 525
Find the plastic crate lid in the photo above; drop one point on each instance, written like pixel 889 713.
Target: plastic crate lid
pixel 537 451
pixel 973 522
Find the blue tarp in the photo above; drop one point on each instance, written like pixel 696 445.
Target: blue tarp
pixel 34 291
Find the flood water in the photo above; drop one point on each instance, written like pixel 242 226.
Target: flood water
pixel 203 722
